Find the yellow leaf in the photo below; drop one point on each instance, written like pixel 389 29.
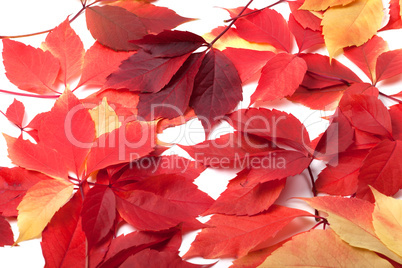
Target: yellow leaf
pixel 387 221
pixel 351 25
pixel 322 248
pixel 317 5
pixel 39 205
pixel 105 118
pixel 353 224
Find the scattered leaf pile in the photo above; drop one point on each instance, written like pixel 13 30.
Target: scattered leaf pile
pixel 88 166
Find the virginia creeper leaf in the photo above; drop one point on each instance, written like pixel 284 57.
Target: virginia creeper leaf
pixel 138 72
pixel 30 69
pixel 306 250
pixel 304 17
pixel 98 213
pixel 351 25
pixel 318 5
pixel 389 64
pixel 305 38
pixel 67 47
pixel 39 205
pixel 235 236
pixel 6 234
pixel 280 77
pixel 114 26
pixel 63 241
pixel 15 113
pixel 170 43
pixel 217 88
pixel 395 15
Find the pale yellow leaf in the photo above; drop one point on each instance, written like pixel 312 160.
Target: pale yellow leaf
pixel 317 5
pixel 351 25
pixel 322 248
pixel 105 118
pixel 351 219
pixel 387 221
pixel 39 205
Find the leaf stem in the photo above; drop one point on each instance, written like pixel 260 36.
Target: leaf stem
pixel 30 95
pixel 390 97
pixel 255 11
pixel 314 189
pixel 230 25
pixel 42 32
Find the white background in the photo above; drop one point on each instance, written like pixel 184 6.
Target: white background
pixel 27 16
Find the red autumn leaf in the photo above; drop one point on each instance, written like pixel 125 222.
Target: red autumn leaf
pixel 154 259
pixel 321 73
pixel 365 56
pixel 280 77
pixel 127 143
pixel 381 169
pixel 98 213
pixel 247 62
pixel 99 63
pixel 265 26
pixel 241 198
pixel 96 254
pixel 305 38
pixel 217 88
pixel 225 151
pixel 395 112
pixel 148 211
pixel 114 26
pixel 173 100
pixel 336 138
pixel 14 183
pixel 235 236
pixel 389 64
pixel 124 246
pixel 63 241
pixel 154 18
pixel 15 113
pixel 340 177
pixel 69 130
pixel 170 43
pixel 395 20
pixel 319 98
pixel 304 17
pixel 30 69
pixel 276 126
pixel 67 47
pixel 6 234
pixel 367 113
pixel 138 72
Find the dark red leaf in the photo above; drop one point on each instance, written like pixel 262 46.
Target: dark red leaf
pixel 280 77
pixel 63 241
pixel 241 198
pixel 265 26
pixel 276 126
pixel 124 246
pixel 66 46
pixel 173 100
pixel 235 236
pixel 389 64
pixel 365 56
pixel 381 169
pixel 170 43
pixel 217 88
pixel 341 173
pixel 138 72
pixel 15 113
pixel 305 38
pixel 155 259
pixel 99 63
pixel 98 213
pixel 304 17
pixel 30 69
pixel 6 234
pixel 248 62
pixel 114 26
